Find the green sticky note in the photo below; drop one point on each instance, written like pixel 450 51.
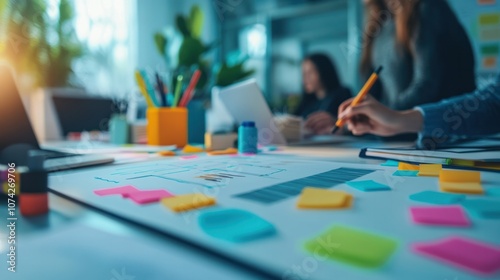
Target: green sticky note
pixel 407 173
pixel 491 49
pixel 489 19
pixel 352 246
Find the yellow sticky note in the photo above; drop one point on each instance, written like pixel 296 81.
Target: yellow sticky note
pixel 228 151
pixel 323 199
pixel 467 187
pixel 407 166
pixel 459 176
pixel 187 202
pixel 430 170
pixel 188 149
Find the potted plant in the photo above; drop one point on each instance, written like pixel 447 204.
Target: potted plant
pixel 184 51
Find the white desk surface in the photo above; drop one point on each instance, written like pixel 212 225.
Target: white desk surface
pixel 65 213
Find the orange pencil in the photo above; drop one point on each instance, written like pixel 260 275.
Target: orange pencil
pixel 190 89
pixel 361 95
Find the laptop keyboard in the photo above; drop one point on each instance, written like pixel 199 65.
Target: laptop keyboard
pixel 55 154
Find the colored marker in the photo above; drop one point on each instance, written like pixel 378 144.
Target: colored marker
pixel 149 88
pixel 142 88
pixel 188 94
pixel 178 87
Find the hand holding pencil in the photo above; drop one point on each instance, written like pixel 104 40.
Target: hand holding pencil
pixel 363 114
pixel 361 95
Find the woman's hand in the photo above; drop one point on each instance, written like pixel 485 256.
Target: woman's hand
pixel 320 122
pixel 370 116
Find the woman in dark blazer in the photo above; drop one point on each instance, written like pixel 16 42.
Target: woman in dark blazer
pixel 423 48
pixel 323 94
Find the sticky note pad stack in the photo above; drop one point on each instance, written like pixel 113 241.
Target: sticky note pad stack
pixel 187 202
pixel 352 246
pixel 316 198
pixel 459 181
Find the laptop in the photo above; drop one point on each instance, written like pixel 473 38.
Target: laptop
pixel 17 137
pixel 245 102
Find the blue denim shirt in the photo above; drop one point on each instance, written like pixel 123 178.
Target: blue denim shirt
pixel 471 115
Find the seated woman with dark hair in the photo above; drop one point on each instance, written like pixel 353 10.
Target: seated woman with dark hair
pixel 323 94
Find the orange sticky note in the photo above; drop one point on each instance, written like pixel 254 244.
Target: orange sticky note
pixel 187 202
pixel 459 181
pixel 459 176
pixel 167 153
pixel 468 188
pixel 228 151
pixel 188 149
pixel 430 170
pixel 407 166
pixel 317 198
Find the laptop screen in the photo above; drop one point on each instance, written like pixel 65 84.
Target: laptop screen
pixel 15 126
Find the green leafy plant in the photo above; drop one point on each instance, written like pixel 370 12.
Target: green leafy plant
pixel 191 51
pixel 39 46
pixel 228 74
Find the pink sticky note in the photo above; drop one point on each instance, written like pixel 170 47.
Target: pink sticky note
pixel 144 197
pixel 440 215
pixel 189 157
pixel 124 191
pixel 466 253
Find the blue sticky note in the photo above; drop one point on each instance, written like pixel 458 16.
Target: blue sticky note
pixel 407 173
pixel 483 208
pixel 390 163
pixel 234 225
pixel 437 197
pixel 368 186
pixel 493 192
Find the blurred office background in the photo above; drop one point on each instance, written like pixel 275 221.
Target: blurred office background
pixel 106 40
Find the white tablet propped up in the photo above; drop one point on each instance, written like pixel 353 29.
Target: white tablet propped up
pixel 245 102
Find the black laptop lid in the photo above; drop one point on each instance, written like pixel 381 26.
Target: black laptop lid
pixel 15 127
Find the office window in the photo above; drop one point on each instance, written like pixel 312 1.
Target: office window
pixel 107 28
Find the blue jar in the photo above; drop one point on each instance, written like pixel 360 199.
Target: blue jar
pixel 247 138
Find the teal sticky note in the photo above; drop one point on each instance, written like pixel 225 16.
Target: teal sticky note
pixel 483 208
pixel 368 186
pixel 234 225
pixel 493 192
pixel 390 163
pixel 437 197
pixel 406 173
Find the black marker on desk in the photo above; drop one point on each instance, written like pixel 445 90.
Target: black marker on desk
pixel 33 199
